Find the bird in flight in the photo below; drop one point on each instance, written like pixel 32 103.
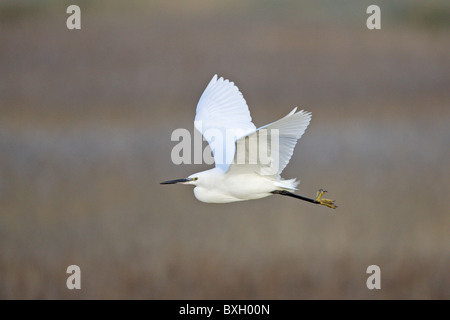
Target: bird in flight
pixel 240 172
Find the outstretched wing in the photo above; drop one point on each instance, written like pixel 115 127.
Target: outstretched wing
pixel 222 118
pixel 268 150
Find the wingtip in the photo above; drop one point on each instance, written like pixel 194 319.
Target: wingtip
pixel 304 112
pixel 212 82
pixel 291 113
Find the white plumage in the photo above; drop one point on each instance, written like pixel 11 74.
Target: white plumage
pixel 224 120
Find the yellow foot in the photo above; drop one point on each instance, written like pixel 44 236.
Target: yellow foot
pixel 326 202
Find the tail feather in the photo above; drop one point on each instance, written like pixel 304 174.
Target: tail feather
pixel 290 184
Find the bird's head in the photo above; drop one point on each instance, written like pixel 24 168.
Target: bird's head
pixel 204 178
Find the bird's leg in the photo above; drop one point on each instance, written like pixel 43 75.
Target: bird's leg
pixel 317 200
pixel 326 202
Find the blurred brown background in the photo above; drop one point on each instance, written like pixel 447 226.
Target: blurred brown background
pixel 85 123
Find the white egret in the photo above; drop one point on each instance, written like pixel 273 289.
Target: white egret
pixel 222 108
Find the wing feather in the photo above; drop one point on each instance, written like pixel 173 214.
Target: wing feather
pixel 223 117
pixel 271 159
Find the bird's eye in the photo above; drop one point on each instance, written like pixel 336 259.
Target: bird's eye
pixel 195 179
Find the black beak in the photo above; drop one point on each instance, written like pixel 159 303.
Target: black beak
pixel 177 181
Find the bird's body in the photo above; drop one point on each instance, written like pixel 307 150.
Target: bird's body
pixel 215 186
pixel 247 165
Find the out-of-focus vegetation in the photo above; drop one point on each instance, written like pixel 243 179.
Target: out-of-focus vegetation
pixel 85 123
